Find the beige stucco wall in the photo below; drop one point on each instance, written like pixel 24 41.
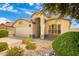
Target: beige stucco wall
pixel 23 29
pixel 38 27
pixel 45 22
pixel 65 25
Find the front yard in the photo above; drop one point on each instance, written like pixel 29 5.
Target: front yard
pixel 43 47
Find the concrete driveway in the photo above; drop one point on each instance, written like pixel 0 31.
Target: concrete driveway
pixel 11 41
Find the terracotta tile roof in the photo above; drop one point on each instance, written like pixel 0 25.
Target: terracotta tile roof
pixel 9 24
pixel 30 21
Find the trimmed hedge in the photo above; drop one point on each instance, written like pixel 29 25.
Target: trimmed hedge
pixel 3 46
pixel 66 44
pixel 3 33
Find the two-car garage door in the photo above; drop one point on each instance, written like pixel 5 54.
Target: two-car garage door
pixel 22 31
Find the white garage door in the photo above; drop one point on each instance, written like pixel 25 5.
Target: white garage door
pixel 22 31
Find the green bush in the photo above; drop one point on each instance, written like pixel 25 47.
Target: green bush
pixel 3 46
pixel 66 44
pixel 15 51
pixel 3 33
pixel 31 46
pixel 26 40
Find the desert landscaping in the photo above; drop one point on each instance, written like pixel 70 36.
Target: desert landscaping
pixel 43 47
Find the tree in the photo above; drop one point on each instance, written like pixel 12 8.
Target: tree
pixel 64 9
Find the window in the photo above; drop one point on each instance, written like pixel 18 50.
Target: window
pixel 59 29
pixel 55 29
pixel 49 29
pixel 52 28
pixel 29 25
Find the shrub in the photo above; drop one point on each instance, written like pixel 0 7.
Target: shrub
pixel 31 46
pixel 15 51
pixel 3 33
pixel 66 44
pixel 3 46
pixel 26 40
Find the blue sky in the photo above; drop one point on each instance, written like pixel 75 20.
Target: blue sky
pixel 14 11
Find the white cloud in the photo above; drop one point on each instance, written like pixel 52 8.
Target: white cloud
pixel 4 20
pixel 31 4
pixel 29 12
pixel 38 6
pixel 74 24
pixel 7 7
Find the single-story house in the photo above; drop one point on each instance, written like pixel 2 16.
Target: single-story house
pixel 40 26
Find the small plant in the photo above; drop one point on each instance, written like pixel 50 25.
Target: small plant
pixel 3 46
pixel 26 40
pixel 15 51
pixel 3 33
pixel 66 44
pixel 31 46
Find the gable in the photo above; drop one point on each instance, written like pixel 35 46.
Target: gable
pixel 39 15
pixel 21 23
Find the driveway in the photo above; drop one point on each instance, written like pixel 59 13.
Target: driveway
pixel 11 41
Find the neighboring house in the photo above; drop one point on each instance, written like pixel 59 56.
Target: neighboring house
pixel 3 27
pixel 9 27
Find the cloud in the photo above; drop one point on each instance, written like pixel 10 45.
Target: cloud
pixel 38 6
pixel 74 24
pixel 4 20
pixel 8 7
pixel 29 12
pixel 31 4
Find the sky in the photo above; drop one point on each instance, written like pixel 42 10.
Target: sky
pixel 13 11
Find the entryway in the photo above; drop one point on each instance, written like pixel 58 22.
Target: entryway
pixel 36 28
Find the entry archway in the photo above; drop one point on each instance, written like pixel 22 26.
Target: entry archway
pixel 38 25
pixel 36 28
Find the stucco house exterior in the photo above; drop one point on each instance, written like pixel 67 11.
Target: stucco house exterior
pixel 40 26
pixel 44 26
